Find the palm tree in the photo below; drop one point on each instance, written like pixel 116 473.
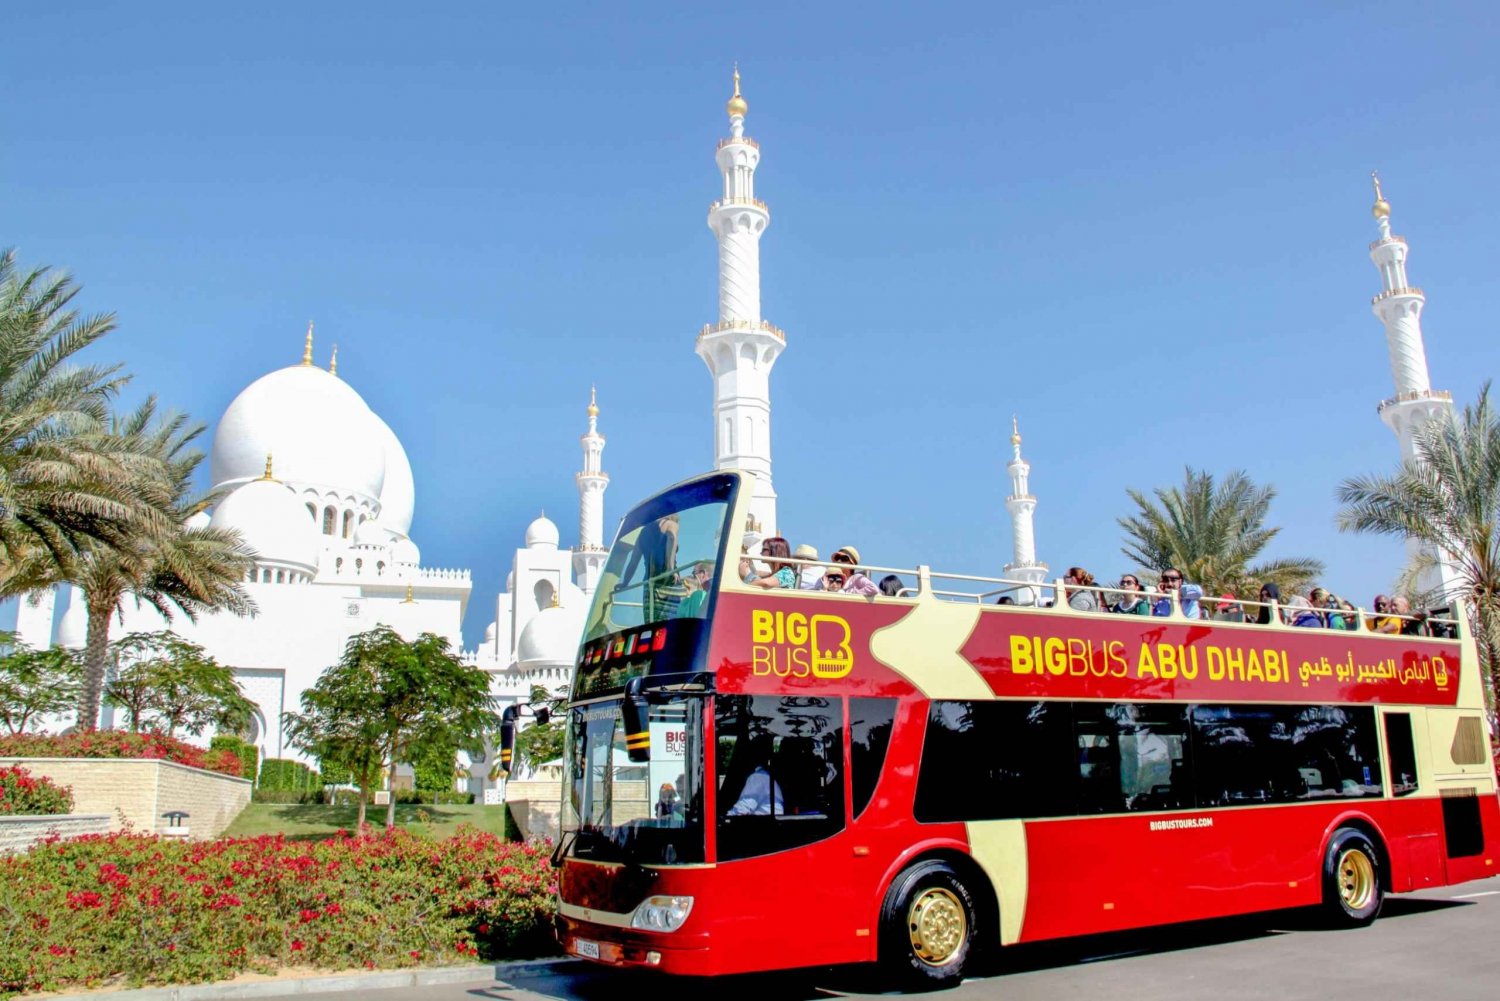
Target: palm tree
pixel 64 482
pixel 1446 497
pixel 1211 531
pixel 175 568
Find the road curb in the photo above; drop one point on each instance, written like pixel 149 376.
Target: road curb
pixel 478 973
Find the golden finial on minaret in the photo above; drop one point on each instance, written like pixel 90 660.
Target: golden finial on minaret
pixel 593 403
pixel 1015 430
pixel 307 347
pixel 737 105
pixel 409 600
pixel 1382 208
pixel 268 475
pixel 554 599
pixel 333 363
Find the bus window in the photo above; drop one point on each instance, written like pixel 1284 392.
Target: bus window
pixel 1132 756
pixel 1333 750
pixel 996 761
pixel 1400 754
pixel 870 722
pixel 779 768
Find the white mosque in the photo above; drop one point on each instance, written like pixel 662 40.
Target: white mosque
pixel 322 491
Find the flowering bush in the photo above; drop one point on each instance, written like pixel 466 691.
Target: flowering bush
pixel 135 909
pixel 117 744
pixel 23 795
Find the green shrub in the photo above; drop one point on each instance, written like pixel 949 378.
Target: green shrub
pixel 133 910
pixel 335 775
pixel 306 796
pixel 22 795
pixel 113 744
pixel 247 752
pixel 286 775
pixel 445 796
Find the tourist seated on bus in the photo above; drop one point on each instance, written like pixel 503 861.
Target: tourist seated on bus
pixel 1132 597
pixel 696 580
pixel 1269 592
pixel 1413 626
pixel 891 585
pixel 1300 613
pixel 809 575
pixel 1081 600
pixel 758 795
pixel 1327 606
pixel 858 582
pixel 1229 609
pixel 833 579
pixel 1173 585
pixel 1348 614
pixel 782 574
pixel 1383 621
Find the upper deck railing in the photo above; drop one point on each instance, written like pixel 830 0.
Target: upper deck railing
pixel 1053 597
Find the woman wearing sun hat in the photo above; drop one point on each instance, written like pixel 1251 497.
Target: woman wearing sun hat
pixel 858 582
pixel 809 575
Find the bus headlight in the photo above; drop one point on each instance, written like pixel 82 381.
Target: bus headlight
pixel 662 913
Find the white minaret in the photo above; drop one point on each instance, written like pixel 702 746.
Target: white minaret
pixel 589 557
pixel 740 349
pixel 1399 307
pixel 1021 504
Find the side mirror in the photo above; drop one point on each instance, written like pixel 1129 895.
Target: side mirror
pixel 543 715
pixel 507 738
pixel 633 713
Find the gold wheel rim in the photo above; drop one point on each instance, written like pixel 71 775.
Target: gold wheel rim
pixel 1356 874
pixel 937 925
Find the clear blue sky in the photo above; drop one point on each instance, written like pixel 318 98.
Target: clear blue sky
pixel 1142 228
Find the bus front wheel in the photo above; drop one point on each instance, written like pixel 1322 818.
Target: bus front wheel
pixel 927 926
pixel 1351 878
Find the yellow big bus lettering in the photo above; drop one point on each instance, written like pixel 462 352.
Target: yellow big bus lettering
pixel 790 645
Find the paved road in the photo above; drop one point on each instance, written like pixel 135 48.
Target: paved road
pixel 1440 944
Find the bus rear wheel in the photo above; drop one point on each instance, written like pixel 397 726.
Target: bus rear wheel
pixel 927 927
pixel 1351 879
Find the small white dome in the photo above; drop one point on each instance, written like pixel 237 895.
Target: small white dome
pixel 272 521
pixel 551 638
pixel 398 495
pixel 319 430
pixel 372 533
pixel 199 520
pixel 542 534
pixel 510 582
pixel 405 552
pixel 489 633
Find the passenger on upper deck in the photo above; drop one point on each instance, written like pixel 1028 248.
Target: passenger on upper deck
pixel 858 581
pixel 782 574
pixel 891 585
pixel 1132 597
pixel 809 575
pixel 1299 613
pixel 1384 622
pixel 1269 592
pixel 1187 594
pixel 1409 627
pixel 1229 608
pixel 1081 600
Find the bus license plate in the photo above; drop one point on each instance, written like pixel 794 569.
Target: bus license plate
pixel 585 948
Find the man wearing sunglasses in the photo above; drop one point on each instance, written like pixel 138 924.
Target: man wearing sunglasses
pixel 1173 584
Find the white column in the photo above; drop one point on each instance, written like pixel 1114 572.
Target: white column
pixel 34 617
pixel 1022 505
pixel 589 557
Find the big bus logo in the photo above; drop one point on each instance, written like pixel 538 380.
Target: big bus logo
pixel 793 645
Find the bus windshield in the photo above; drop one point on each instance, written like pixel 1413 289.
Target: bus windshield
pixel 664 560
pixel 618 810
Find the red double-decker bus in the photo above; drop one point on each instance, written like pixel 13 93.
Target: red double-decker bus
pixel 761 779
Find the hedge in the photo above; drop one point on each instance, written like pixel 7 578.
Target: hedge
pixel 25 795
pixel 118 744
pixel 286 775
pixel 128 909
pixel 248 753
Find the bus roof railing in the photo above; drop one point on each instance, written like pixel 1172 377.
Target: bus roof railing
pixel 1052 595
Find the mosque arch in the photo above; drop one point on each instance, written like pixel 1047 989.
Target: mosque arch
pixel 312 511
pixel 348 523
pixel 543 591
pixel 328 519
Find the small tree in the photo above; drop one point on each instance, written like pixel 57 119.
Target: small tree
pixel 174 684
pixel 539 743
pixel 36 683
pixel 386 699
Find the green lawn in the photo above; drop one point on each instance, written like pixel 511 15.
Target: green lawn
pixel 308 821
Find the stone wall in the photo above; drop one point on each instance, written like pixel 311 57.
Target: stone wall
pixel 536 806
pixel 17 834
pixel 138 791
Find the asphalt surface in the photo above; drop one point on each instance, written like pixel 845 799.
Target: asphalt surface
pixel 1438 944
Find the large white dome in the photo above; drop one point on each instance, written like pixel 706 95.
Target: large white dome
pixel 550 639
pixel 398 495
pixel 319 430
pixel 273 522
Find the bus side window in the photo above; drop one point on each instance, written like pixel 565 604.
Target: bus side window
pixel 991 760
pixel 1401 754
pixel 870 723
pixel 1133 756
